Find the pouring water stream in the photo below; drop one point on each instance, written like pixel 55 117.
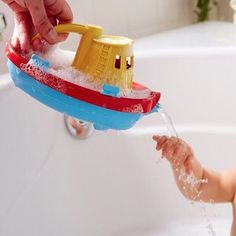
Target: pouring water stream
pixel 172 132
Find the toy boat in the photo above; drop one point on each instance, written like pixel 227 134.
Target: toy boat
pixel 108 61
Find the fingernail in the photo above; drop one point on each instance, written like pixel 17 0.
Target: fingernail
pixel 26 50
pixel 37 44
pixel 14 42
pixel 52 36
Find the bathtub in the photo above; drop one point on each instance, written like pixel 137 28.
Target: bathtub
pixel 115 183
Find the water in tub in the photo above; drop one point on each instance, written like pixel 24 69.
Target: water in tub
pixel 60 62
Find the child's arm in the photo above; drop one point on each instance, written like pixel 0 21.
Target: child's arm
pixel 194 181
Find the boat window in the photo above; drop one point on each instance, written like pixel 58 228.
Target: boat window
pixel 129 62
pixel 118 62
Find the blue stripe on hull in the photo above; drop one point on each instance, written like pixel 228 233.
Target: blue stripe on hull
pixel 102 118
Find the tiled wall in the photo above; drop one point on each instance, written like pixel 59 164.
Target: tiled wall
pixel 133 18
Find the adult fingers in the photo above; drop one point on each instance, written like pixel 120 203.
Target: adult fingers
pixel 60 10
pixel 62 13
pixel 41 21
pixel 15 43
pixel 37 44
pixel 22 31
pixel 14 6
pixel 54 21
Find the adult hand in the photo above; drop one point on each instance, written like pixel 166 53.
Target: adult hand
pixel 37 16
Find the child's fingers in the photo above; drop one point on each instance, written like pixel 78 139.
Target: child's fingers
pixel 158 137
pixel 168 146
pixel 161 142
pixel 182 153
pixel 155 137
pixel 171 141
pixel 175 151
pixel 187 164
pixel 180 150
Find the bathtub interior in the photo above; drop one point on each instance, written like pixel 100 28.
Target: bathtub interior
pixel 118 189
pixel 115 183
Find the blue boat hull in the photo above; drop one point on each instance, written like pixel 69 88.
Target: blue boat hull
pixel 102 118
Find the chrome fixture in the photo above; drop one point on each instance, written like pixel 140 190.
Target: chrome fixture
pixel 3 22
pixel 77 128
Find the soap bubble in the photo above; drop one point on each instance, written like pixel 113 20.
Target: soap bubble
pixel 60 66
pixel 137 108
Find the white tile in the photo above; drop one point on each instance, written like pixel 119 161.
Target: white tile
pixel 112 15
pixel 83 11
pixel 142 17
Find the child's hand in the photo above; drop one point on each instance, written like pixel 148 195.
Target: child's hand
pixel 176 151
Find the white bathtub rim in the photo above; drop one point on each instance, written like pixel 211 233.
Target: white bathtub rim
pixel 186 52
